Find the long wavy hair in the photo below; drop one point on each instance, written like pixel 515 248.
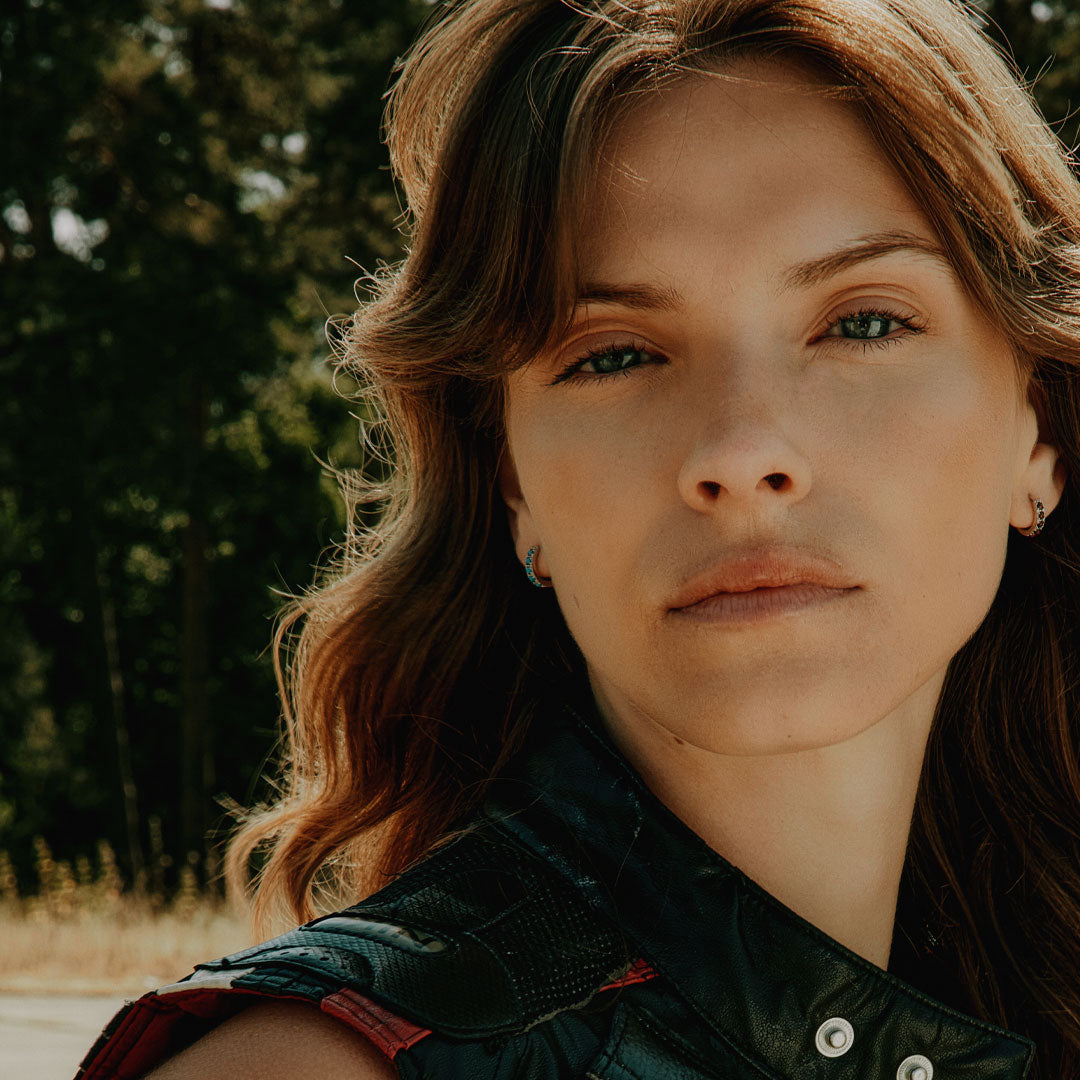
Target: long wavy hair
pixel 415 664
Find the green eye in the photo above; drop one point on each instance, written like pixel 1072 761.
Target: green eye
pixel 612 360
pixel 868 326
pixel 872 326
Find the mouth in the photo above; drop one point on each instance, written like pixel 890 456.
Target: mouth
pixel 761 582
pixel 762 602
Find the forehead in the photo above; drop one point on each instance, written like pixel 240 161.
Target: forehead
pixel 755 157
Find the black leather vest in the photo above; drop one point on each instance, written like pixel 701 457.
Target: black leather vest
pixel 578 929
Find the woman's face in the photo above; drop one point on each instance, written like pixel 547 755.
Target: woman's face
pixel 772 361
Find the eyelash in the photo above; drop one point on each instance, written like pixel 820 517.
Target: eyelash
pixel 907 322
pixel 573 368
pixel 572 371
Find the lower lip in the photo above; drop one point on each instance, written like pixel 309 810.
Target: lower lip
pixel 744 607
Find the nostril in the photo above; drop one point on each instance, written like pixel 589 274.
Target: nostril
pixel 711 488
pixel 776 480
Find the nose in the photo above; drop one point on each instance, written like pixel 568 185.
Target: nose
pixel 742 455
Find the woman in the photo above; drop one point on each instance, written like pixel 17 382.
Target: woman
pixel 749 328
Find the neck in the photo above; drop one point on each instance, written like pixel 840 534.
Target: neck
pixel 824 830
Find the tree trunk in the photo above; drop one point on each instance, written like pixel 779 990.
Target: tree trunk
pixel 195 651
pixel 129 792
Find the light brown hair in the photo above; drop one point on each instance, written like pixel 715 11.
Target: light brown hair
pixel 416 662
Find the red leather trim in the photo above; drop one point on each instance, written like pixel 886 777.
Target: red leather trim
pixel 638 972
pixel 388 1032
pixel 144 1035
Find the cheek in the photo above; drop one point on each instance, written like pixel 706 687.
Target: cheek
pixel 945 491
pixel 586 477
pixel 592 483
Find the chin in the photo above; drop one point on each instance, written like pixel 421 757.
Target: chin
pixel 764 721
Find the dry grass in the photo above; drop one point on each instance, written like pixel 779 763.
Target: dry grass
pixel 83 934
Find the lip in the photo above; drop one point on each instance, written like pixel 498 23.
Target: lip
pixel 781 577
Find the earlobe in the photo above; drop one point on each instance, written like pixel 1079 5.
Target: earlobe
pixel 517 509
pixel 522 528
pixel 1039 489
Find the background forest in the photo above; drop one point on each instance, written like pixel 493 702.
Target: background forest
pixel 186 189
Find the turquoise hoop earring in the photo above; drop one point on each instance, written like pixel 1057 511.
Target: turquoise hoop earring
pixel 530 557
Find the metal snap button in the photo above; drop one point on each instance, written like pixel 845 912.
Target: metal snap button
pixel 834 1037
pixel 915 1067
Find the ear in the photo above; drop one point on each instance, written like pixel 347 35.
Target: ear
pixel 1041 477
pixel 522 528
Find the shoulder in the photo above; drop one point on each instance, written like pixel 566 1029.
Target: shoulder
pixel 481 939
pixel 483 943
pixel 278 1040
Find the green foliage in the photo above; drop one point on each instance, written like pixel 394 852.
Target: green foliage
pixel 183 185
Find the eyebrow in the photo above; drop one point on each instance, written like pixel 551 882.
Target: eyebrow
pixel 802 275
pixel 643 297
pixel 813 271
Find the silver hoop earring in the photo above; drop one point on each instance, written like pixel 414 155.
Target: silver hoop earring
pixel 1040 518
pixel 530 559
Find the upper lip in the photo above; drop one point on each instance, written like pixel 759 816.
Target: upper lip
pixel 761 568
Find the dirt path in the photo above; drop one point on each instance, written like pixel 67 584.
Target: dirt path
pixel 45 1038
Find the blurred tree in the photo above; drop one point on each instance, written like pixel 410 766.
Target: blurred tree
pixel 176 175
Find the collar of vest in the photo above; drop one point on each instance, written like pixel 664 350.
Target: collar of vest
pixel 763 979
